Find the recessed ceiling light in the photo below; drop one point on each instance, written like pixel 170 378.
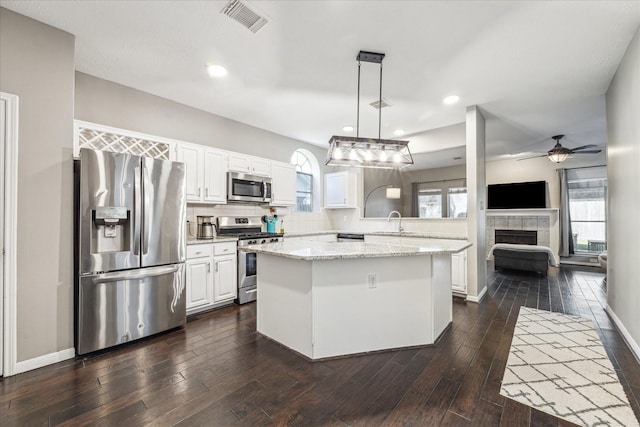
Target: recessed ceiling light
pixel 348 128
pixel 398 132
pixel 216 70
pixel 451 99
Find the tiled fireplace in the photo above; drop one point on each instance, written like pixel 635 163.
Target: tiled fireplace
pixel 544 222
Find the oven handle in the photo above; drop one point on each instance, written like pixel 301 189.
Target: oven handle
pixel 252 291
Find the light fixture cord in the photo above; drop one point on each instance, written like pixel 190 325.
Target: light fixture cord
pixel 380 105
pixel 358 108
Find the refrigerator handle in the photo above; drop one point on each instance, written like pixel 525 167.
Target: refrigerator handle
pixel 135 274
pixel 137 209
pixel 145 224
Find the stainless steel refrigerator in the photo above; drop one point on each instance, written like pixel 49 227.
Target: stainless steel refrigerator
pixel 131 247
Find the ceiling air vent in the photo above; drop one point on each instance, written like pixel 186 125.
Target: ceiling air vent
pixel 379 104
pixel 241 13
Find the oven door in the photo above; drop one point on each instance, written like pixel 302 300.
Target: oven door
pixel 247 277
pixel 248 188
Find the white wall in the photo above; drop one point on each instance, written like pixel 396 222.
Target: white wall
pixel 36 63
pixel 623 176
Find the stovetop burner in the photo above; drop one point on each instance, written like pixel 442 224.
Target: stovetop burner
pixel 249 236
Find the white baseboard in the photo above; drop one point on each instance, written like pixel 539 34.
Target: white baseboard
pixel 635 348
pixel 47 359
pixel 479 297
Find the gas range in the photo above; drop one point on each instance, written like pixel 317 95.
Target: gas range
pixel 248 230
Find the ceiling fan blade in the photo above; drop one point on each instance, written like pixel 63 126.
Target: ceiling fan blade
pixel 534 157
pixel 583 147
pixel 587 152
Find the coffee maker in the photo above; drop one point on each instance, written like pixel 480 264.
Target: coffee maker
pixel 205 227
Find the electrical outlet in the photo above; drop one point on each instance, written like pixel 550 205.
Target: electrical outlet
pixel 372 279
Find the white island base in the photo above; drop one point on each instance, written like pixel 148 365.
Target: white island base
pixel 325 308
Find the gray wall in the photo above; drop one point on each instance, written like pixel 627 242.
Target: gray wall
pixel 623 176
pixel 36 63
pixel 104 102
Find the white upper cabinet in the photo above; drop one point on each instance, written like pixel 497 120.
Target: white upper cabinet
pixel 341 190
pixel 248 164
pixel 189 154
pixel 206 173
pixel 215 176
pixel 283 184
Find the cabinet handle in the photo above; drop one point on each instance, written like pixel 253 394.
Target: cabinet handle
pixel 199 189
pixel 216 267
pixel 208 267
pixel 206 192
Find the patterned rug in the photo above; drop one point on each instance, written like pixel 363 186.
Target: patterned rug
pixel 557 365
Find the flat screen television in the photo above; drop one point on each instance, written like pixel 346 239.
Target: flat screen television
pixel 517 195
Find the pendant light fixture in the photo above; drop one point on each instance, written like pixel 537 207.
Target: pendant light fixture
pixel 368 152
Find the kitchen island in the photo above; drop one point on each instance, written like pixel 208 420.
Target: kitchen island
pixel 326 300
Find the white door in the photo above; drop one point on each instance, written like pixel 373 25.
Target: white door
pixel 283 184
pixel 215 176
pixel 198 272
pixel 3 137
pixel 335 190
pixel 226 281
pixel 191 157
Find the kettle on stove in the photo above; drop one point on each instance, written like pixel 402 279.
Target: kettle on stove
pixel 271 223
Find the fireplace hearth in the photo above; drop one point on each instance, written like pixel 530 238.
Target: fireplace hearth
pixel 519 237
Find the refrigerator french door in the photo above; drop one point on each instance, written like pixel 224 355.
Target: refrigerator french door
pixel 131 248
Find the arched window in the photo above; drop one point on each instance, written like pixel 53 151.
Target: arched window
pixel 304 181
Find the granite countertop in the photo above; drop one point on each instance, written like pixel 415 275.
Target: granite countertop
pixel 194 241
pixel 312 250
pixel 413 234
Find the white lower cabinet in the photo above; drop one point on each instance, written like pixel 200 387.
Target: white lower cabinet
pixel 199 280
pixel 211 277
pixel 459 272
pixel 226 278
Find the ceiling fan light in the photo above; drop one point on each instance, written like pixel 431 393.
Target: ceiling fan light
pixel 557 157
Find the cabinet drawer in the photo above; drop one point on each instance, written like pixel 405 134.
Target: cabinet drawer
pixel 227 248
pixel 199 250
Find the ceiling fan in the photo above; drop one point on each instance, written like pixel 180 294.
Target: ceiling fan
pixel 559 153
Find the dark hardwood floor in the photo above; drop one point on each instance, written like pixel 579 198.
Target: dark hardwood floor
pixel 218 372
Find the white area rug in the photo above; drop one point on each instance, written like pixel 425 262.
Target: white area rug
pixel 558 365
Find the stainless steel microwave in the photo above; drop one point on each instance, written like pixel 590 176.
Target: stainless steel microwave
pixel 243 187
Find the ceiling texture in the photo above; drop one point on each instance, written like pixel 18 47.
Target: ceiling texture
pixel 535 68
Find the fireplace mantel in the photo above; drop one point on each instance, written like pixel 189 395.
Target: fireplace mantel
pixel 523 212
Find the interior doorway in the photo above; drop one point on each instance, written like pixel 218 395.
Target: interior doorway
pixel 8 230
pixel 3 138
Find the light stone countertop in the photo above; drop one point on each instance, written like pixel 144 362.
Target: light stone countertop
pixel 313 250
pixel 414 234
pixel 194 241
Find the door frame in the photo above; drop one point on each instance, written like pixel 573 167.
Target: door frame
pixel 9 321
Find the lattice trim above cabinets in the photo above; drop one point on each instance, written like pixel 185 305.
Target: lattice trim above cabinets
pixel 106 138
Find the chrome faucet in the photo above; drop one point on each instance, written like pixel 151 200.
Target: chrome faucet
pixel 400 229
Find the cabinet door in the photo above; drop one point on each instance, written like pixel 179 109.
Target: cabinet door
pixel 191 156
pixel 226 280
pixel 260 167
pixel 239 163
pixel 215 176
pixel 341 190
pixel 283 184
pixel 459 272
pixel 199 281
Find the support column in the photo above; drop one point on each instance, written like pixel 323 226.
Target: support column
pixel 476 205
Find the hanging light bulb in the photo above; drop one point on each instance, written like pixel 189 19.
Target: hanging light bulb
pixel 337 153
pixel 396 157
pixel 368 155
pixel 383 155
pixel 352 154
